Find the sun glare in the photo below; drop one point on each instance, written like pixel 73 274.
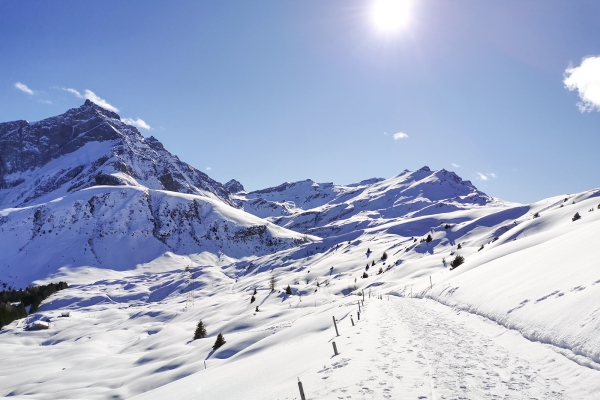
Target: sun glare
pixel 391 15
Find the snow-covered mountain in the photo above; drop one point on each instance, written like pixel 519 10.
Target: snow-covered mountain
pixel 326 210
pixel 85 147
pixel 146 257
pixel 84 189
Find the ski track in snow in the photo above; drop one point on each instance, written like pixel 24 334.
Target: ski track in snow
pixel 405 349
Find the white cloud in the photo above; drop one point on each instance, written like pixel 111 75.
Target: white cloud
pixel 138 123
pixel 43 101
pixel 586 80
pixel 455 165
pixel 208 168
pixel 385 134
pixel 400 135
pixel 89 95
pixel 485 177
pixel 23 88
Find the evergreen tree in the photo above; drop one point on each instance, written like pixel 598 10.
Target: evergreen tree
pixel 369 251
pixel 458 260
pixel 272 283
pixel 254 292
pixel 576 217
pixel 429 239
pixel 288 290
pixel 365 275
pixel 373 264
pixel 252 299
pixel 200 331
pixel 220 341
pixel 459 246
pixel 384 256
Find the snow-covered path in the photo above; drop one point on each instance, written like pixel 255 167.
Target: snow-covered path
pixel 414 349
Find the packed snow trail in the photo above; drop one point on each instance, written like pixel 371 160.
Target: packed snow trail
pixel 414 349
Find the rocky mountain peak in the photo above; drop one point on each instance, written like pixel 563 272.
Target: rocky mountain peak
pixel 89 146
pixel 234 186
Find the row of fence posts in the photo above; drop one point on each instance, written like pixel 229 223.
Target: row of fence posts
pixel 335 350
pixel 337 333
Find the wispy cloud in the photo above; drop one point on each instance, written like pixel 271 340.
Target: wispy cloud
pixel 586 80
pixel 43 101
pixel 485 177
pixel 24 88
pixel 455 165
pixel 89 95
pixel 400 135
pixel 138 123
pixel 208 168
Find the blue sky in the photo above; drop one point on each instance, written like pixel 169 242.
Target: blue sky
pixel 280 90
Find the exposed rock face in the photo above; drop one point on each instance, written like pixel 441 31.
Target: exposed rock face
pixel 84 147
pixel 234 186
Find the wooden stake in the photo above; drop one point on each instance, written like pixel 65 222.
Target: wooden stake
pixel 335 325
pixel 351 320
pixel 301 390
pixel 335 349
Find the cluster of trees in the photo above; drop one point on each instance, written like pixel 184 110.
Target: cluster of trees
pixel 200 333
pixel 32 296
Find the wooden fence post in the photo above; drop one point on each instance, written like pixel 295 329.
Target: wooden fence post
pixel 335 349
pixel 301 390
pixel 335 325
pixel 351 320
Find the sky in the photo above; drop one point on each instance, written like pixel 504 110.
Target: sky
pixel 506 94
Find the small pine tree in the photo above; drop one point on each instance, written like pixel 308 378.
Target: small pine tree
pixel 254 292
pixel 458 260
pixel 459 246
pixel 481 248
pixel 272 283
pixel 288 290
pixel 384 256
pixel 536 215
pixel 576 217
pixel 380 271
pixel 429 239
pixel 369 251
pixel 200 331
pixel 366 269
pixel 252 299
pixel 365 275
pixel 220 341
pixel 373 264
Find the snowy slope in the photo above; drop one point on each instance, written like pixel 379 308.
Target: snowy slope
pixel 118 228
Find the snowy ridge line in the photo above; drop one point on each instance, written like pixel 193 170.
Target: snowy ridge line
pixel 564 350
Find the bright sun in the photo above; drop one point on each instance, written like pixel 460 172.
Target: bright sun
pixel 391 15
